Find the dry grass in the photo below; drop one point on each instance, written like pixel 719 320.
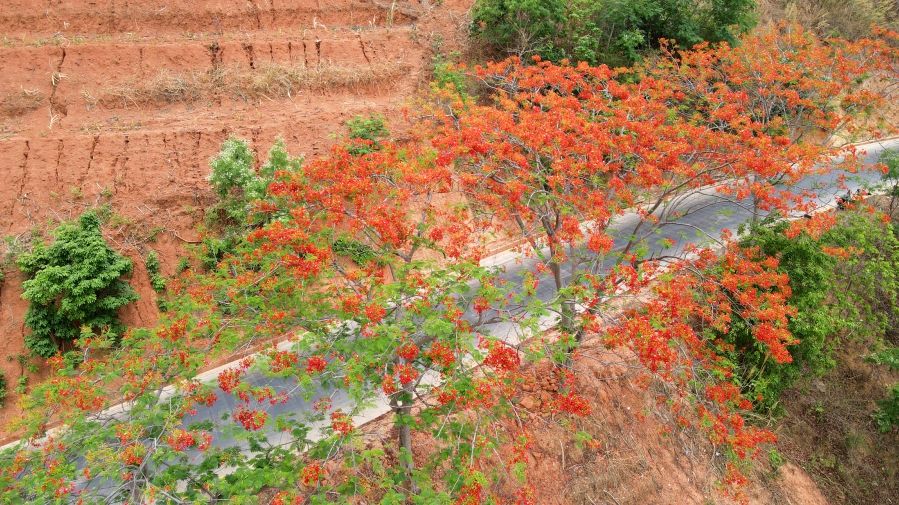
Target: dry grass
pixel 22 102
pixel 827 429
pixel 846 18
pixel 271 81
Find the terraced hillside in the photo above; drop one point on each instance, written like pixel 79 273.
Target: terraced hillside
pixel 126 101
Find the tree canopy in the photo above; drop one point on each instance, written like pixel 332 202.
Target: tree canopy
pixel 358 281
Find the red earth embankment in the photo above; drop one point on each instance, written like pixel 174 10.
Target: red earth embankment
pixel 125 103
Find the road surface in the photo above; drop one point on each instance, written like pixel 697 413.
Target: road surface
pixel 705 216
pixel 704 211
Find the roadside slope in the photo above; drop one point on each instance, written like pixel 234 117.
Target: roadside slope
pixel 125 103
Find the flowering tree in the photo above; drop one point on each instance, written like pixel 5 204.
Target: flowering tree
pixel 359 283
pixel 391 324
pixel 781 100
pixel 588 167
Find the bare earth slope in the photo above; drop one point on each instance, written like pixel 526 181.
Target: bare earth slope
pixel 125 102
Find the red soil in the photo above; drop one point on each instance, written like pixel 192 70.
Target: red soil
pixel 637 459
pixel 73 134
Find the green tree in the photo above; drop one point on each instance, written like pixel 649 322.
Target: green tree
pixel 232 177
pixel 73 282
pixel 615 32
pixel 519 26
pixel 366 134
pixel 835 297
pixel 811 273
pixel 241 188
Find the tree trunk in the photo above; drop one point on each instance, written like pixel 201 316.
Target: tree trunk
pixel 755 206
pixel 404 438
pixel 567 305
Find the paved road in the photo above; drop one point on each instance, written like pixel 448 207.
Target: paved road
pixel 705 217
pixel 703 211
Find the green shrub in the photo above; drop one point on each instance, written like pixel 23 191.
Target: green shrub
pixel 867 292
pixel 238 185
pixel 232 169
pixel 73 282
pixel 887 414
pixel 366 134
pixel 213 250
pixel 232 174
pixel 520 27
pixel 361 254
pixel 888 357
pixel 615 32
pixel 3 391
pixel 157 281
pixel 853 297
pixel 812 278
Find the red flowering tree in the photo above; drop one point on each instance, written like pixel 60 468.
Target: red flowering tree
pixel 388 212
pixel 781 103
pixel 355 329
pixel 573 157
pixel 364 267
pixel 589 166
pixel 393 201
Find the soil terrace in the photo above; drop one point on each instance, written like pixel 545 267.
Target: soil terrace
pixel 126 101
pixel 31 19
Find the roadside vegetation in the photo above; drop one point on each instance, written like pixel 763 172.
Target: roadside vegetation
pixel 74 287
pixel 354 280
pixel 614 32
pixel 834 406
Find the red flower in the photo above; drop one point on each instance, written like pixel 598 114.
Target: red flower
pixel 408 352
pixel 572 403
pixel 322 404
pixel 406 373
pixel 283 360
pixel 230 379
pixel 441 354
pixel 502 357
pixel 481 305
pixel 446 396
pixel 252 420
pixel 600 243
pixel 388 385
pixel 133 455
pixel 375 313
pixel 341 423
pixel 311 474
pixel 180 440
pixel 316 364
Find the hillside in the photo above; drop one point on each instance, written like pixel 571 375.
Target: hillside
pixel 125 103
pixel 452 252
